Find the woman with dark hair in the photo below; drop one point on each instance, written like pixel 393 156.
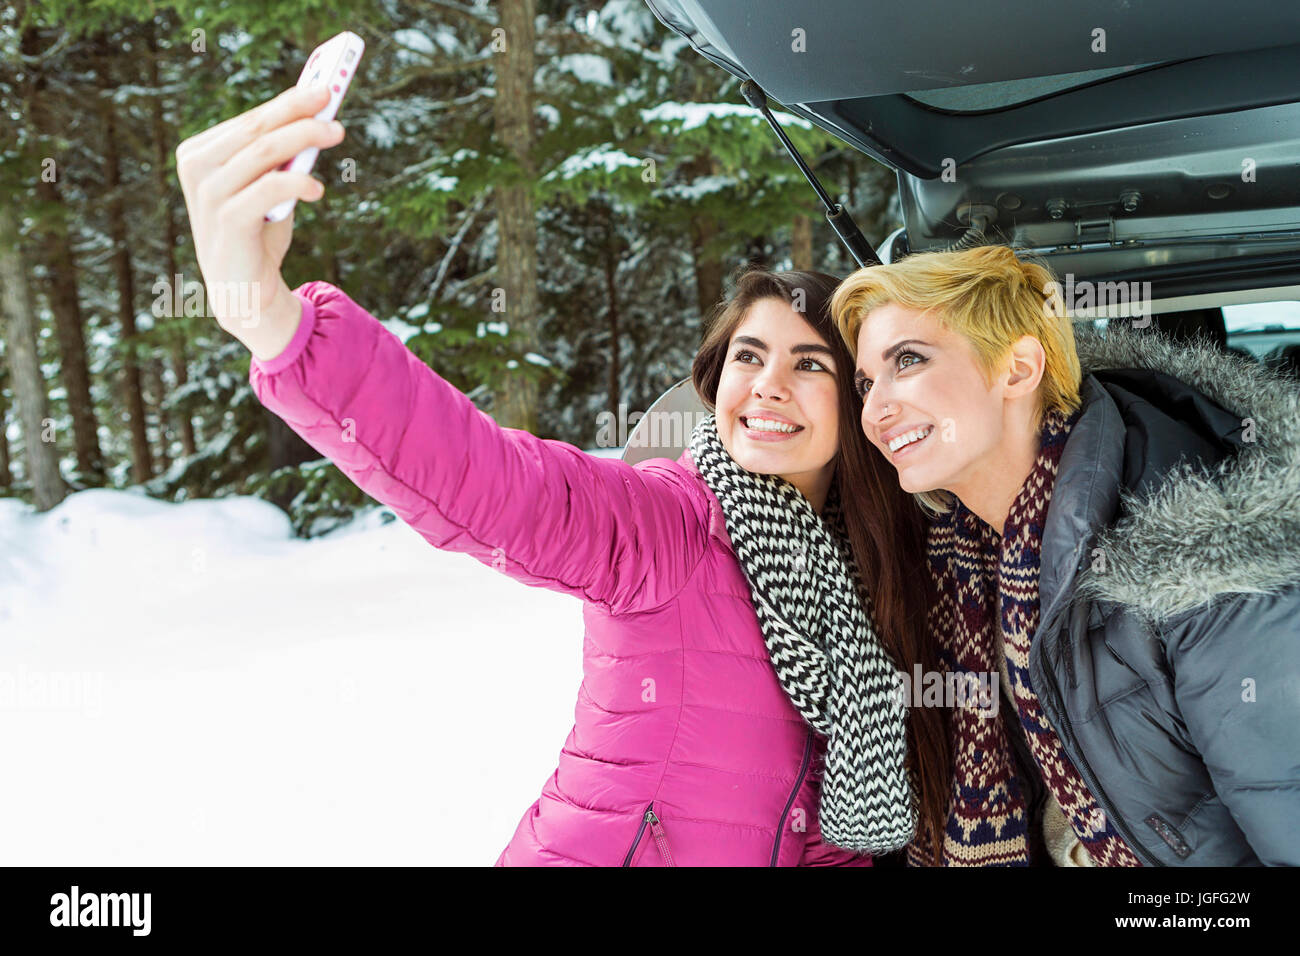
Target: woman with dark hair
pixel 884 533
pixel 728 646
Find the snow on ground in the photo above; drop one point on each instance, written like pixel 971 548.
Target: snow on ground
pixel 188 684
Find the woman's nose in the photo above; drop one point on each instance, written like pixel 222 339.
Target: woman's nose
pixel 771 383
pixel 876 405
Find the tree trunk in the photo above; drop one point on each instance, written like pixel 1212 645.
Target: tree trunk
pixel 54 247
pixel 512 115
pixel 285 447
pixel 164 147
pixel 69 325
pixel 141 458
pixel 6 473
pixel 703 231
pixel 708 267
pixel 30 390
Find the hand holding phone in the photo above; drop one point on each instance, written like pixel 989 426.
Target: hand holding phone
pixel 332 64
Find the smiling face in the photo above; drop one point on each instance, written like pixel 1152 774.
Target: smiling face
pixel 928 408
pixel 777 405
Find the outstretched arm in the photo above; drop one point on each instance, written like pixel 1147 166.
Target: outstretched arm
pixel 544 512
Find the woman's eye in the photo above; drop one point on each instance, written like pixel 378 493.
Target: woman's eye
pixel 817 366
pixel 862 384
pixel 906 355
pixel 740 356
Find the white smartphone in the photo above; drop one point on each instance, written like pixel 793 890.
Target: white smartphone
pixel 332 64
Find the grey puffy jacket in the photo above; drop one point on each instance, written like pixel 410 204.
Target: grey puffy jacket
pixel 1168 657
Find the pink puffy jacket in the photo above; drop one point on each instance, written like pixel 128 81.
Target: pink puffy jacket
pixel 685 750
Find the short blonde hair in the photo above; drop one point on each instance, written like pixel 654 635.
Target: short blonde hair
pixel 988 295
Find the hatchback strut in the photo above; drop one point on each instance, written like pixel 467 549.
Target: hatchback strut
pixel 836 214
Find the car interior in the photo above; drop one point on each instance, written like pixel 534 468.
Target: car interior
pixel 1209 323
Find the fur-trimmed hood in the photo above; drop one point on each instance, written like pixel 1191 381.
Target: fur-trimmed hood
pixel 1195 531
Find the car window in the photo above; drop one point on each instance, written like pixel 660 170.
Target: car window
pixel 1263 329
pixel 979 97
pixel 1269 332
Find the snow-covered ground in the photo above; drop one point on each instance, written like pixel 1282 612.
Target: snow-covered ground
pixel 188 684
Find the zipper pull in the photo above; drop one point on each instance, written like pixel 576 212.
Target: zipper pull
pixel 661 840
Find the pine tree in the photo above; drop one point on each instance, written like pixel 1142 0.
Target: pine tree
pixel 649 182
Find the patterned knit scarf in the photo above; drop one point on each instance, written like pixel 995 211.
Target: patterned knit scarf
pixel 811 606
pixel 982 580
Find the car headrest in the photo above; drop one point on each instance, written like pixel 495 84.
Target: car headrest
pixel 1193 324
pixel 664 431
pixel 1289 359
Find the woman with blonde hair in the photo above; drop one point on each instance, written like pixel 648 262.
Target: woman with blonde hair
pixel 1115 529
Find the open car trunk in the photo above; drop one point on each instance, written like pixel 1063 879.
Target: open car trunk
pixel 1157 140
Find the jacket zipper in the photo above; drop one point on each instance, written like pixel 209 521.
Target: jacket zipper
pixel 1029 767
pixel 1085 770
pixel 803 769
pixel 661 838
pixel 657 830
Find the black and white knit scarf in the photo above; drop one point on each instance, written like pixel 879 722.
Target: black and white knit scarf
pixel 813 612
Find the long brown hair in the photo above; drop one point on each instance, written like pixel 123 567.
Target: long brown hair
pixel 885 527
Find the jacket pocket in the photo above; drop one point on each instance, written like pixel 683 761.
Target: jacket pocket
pixel 656 827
